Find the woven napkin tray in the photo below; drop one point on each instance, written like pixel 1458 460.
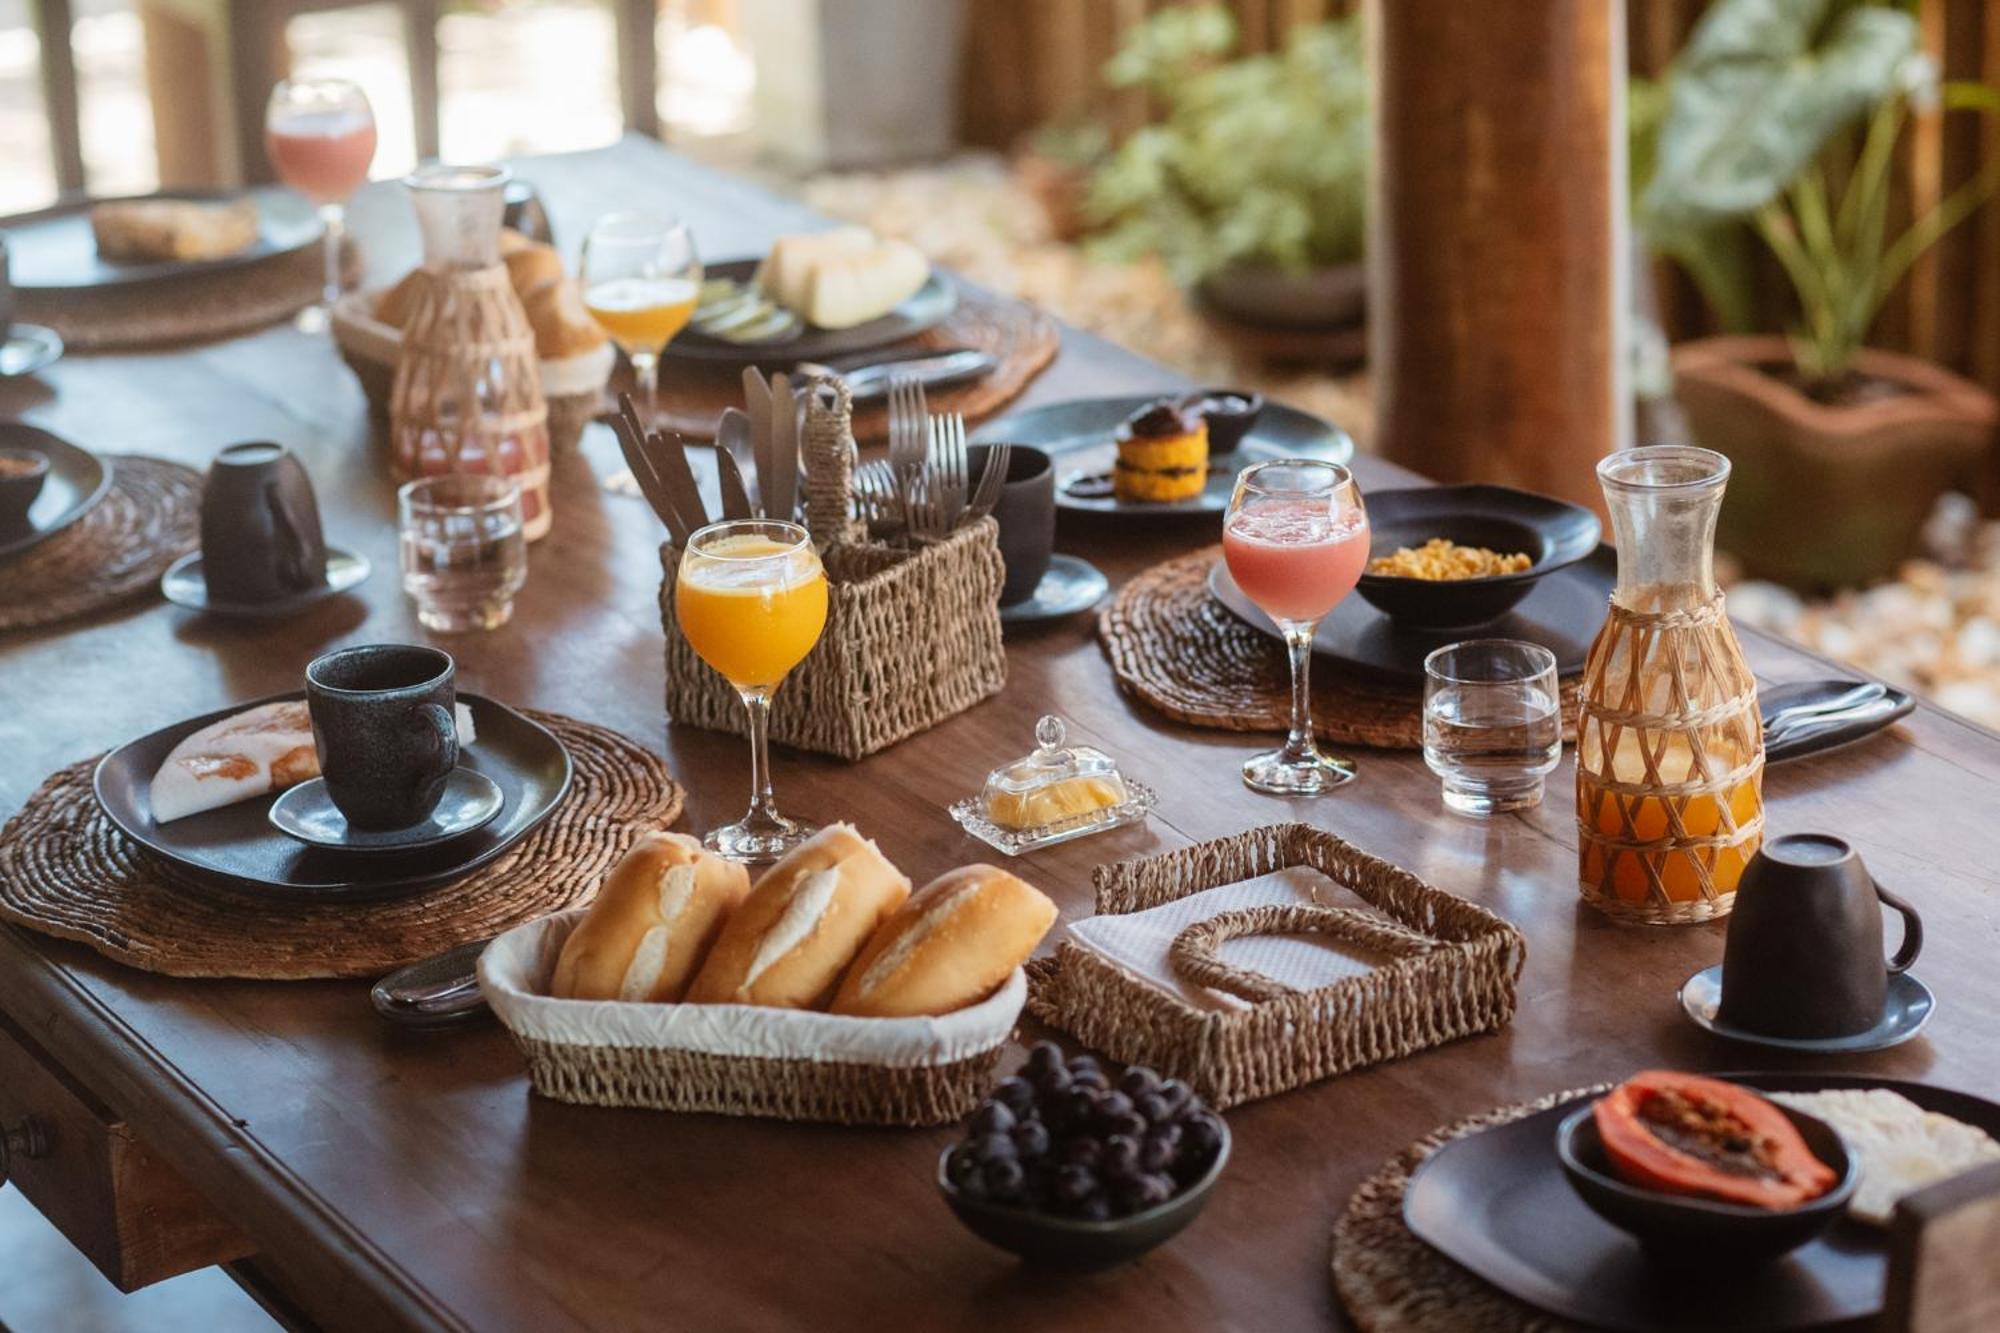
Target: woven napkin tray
pixel 1447 969
pixel 912 636
pixel 739 1059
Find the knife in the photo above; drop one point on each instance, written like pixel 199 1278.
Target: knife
pixel 757 405
pixel 872 381
pixel 733 434
pixel 625 424
pixel 670 460
pixel 735 500
pixel 781 493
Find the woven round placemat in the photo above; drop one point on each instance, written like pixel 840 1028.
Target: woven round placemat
pixel 1020 336
pixel 1178 650
pixel 149 517
pixel 193 308
pixel 1391 1282
pixel 66 871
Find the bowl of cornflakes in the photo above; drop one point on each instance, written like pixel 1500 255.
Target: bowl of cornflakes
pixel 1458 557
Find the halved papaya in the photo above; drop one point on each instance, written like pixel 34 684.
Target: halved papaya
pixel 1685 1134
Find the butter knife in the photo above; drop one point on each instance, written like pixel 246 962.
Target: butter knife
pixel 631 433
pixel 735 500
pixel 733 433
pixel 757 406
pixel 870 382
pixel 781 491
pixel 668 454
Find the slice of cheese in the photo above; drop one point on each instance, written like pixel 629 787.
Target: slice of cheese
pixel 847 289
pixel 786 273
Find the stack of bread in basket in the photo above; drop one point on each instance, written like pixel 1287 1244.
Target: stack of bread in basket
pixel 826 990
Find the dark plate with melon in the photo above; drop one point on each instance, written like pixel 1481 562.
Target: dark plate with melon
pixel 1497 1202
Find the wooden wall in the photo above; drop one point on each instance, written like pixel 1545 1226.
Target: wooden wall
pixel 1034 61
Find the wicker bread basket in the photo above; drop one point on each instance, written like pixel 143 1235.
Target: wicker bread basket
pixel 912 637
pixel 573 385
pixel 1450 970
pixel 736 1059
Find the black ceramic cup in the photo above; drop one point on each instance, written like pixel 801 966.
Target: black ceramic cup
pixel 260 533
pixel 1804 953
pixel 22 472
pixel 387 734
pixel 1026 513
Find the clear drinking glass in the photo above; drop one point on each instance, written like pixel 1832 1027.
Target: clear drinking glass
pixel 464 554
pixel 641 279
pixel 1296 540
pixel 750 596
pixel 320 135
pixel 1492 723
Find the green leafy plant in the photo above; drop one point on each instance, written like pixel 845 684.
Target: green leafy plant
pixel 1784 114
pixel 1259 160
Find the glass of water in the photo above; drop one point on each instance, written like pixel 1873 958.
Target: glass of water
pixel 1492 723
pixel 463 553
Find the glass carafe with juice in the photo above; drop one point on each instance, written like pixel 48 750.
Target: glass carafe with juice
pixel 1670 748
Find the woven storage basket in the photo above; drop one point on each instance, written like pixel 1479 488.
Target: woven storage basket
pixel 783 1064
pixel 1451 971
pixel 1664 834
pixel 911 637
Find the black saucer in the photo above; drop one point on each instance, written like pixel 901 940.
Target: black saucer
pixel 1907 1009
pixel 184 585
pixel 1072 584
pixel 307 812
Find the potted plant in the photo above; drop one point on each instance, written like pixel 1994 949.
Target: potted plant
pixel 1785 117
pixel 1251 186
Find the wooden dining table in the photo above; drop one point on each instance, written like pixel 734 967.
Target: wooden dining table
pixel 365 1177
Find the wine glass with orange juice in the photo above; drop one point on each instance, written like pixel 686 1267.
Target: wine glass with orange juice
pixel 1296 540
pixel 641 279
pixel 750 596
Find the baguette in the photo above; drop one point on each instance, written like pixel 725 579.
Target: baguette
pixel 660 910
pixel 953 944
pixel 802 924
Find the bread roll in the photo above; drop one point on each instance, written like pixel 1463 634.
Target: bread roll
pixel 952 944
pixel 531 266
pixel 802 924
pixel 563 326
pixel 659 911
pixel 395 306
pixel 511 240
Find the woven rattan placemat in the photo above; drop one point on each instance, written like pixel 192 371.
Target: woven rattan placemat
pixel 1178 650
pixel 66 871
pixel 193 308
pixel 1391 1282
pixel 149 517
pixel 1021 337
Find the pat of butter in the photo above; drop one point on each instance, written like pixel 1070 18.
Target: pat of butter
pixel 1061 800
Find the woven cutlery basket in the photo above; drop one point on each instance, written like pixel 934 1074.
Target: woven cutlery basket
pixel 912 636
pixel 1444 968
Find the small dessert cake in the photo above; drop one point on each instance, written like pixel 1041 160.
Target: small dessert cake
pixel 187 230
pixel 1162 455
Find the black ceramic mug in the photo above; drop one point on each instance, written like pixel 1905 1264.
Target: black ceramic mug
pixel 260 533
pixel 1026 513
pixel 386 730
pixel 1804 953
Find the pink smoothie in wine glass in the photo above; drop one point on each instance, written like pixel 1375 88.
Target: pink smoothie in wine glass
pixel 324 155
pixel 1294 559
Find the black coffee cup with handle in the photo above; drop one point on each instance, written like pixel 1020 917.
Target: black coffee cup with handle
pixel 386 727
pixel 260 532
pixel 1804 957
pixel 1026 513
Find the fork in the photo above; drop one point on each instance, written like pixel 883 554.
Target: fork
pixel 991 478
pixel 880 502
pixel 948 444
pixel 908 444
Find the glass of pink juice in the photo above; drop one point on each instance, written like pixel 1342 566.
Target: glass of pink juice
pixel 1296 540
pixel 320 135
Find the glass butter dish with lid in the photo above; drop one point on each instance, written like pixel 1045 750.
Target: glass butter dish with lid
pixel 1056 793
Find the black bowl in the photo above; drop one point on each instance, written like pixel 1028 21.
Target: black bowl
pixel 1553 532
pixel 1229 424
pixel 1675 1229
pixel 1066 1242
pixel 19 489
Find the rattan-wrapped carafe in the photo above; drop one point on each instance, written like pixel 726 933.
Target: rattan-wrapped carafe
pixel 468 389
pixel 1670 747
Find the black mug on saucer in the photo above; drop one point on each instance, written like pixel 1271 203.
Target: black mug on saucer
pixel 260 533
pixel 1026 513
pixel 387 731
pixel 1804 953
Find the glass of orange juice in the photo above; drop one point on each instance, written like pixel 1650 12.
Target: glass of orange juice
pixel 641 279
pixel 750 596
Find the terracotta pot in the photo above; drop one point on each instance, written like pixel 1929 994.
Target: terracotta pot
pixel 1264 294
pixel 1825 496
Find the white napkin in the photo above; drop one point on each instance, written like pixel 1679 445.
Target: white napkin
pixel 1140 941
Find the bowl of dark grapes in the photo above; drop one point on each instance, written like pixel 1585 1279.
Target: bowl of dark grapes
pixel 1067 1167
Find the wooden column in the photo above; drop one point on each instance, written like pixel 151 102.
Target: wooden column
pixel 1497 237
